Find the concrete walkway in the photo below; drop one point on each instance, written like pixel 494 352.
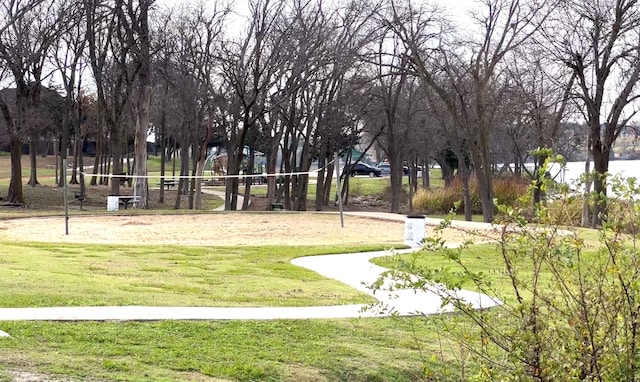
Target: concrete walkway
pixel 354 269
pixel 222 195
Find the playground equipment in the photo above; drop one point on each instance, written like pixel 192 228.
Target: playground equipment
pixel 214 165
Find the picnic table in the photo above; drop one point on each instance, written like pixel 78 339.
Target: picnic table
pixel 79 197
pixel 168 183
pixel 121 177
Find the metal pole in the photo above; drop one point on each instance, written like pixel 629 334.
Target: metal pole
pixel 337 165
pixel 64 193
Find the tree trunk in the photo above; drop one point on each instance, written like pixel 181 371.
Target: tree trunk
pixel 97 160
pixel 163 140
pixel 466 193
pixel 184 170
pixel 116 158
pixel 484 175
pixel 271 180
pixel 14 194
pixel 76 149
pixel 33 159
pixel 231 192
pixel 320 186
pixel 192 182
pixel 64 144
pixel 248 179
pixel 289 150
pixel 83 187
pixel 323 159
pixel 197 197
pixel 446 168
pixel 142 125
pixel 395 160
pixel 600 167
pixel 163 154
pixel 202 157
pixel 587 190
pixel 539 160
pixel 328 183
pixel 426 174
pixel 56 156
pixel 302 182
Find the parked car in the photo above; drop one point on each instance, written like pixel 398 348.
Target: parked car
pixel 386 168
pixel 365 169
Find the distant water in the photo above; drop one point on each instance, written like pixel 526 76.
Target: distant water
pixel 574 170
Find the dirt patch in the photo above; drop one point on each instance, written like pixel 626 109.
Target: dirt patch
pixel 224 229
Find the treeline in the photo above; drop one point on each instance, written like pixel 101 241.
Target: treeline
pixel 299 81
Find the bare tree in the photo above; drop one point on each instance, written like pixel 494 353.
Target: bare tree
pixel 318 62
pixel 133 19
pixel 108 64
pixel 456 142
pixel 68 56
pixel 503 26
pixel 540 101
pixel 28 31
pixel 250 68
pixel 392 83
pixel 336 92
pixel 600 43
pixel 188 42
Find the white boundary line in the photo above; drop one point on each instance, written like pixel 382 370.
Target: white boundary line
pixel 204 176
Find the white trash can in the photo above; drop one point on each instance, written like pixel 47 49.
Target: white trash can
pixel 414 230
pixel 113 203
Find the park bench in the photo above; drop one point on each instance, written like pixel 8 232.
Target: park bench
pixel 123 200
pixel 277 207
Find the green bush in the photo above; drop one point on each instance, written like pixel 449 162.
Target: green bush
pixel 568 300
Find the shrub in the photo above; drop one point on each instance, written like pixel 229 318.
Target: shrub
pixel 436 201
pixel 507 191
pixel 566 211
pixel 569 299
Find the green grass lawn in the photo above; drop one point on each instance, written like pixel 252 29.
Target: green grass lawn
pixel 281 350
pixel 391 349
pixel 482 258
pixel 93 275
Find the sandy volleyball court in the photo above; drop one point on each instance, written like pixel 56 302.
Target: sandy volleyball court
pixel 210 229
pixel 225 229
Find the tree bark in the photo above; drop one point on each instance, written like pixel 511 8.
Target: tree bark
pixel 142 125
pixel 601 166
pixel 14 194
pixel 33 159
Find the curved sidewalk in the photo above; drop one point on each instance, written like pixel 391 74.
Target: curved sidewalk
pixel 353 269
